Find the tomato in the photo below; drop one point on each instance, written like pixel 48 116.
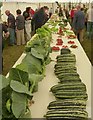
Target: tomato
pixel 64 46
pixel 55 48
pixel 71 42
pixel 71 36
pixel 73 46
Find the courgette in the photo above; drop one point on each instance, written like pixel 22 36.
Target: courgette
pixel 63 64
pixel 65 51
pixel 66 67
pixel 66 102
pixel 66 60
pixel 64 71
pixel 72 114
pixel 68 86
pixel 71 88
pixel 66 55
pixel 62 75
pixel 71 96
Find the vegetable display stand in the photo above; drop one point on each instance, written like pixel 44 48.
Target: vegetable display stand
pixel 43 97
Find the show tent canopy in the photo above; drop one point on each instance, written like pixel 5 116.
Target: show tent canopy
pixel 48 1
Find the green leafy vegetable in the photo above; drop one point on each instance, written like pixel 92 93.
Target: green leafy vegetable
pixel 4 82
pixel 19 102
pixel 19 87
pixel 33 62
pixel 35 41
pixel 36 54
pixel 34 79
pixel 18 75
pixel 6 109
pixel 23 67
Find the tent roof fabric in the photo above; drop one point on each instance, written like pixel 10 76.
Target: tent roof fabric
pixel 48 1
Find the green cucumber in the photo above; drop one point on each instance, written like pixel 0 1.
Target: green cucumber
pixel 72 89
pixel 66 60
pixel 62 78
pixel 66 102
pixel 70 93
pixel 65 67
pixel 75 86
pixel 63 107
pixel 80 97
pixel 65 51
pixel 62 75
pixel 72 114
pixel 66 55
pixel 64 71
pixel 63 64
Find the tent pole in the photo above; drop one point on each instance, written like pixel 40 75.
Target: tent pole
pixel 53 7
pixel 39 5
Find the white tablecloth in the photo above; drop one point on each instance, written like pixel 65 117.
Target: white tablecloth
pixel 43 97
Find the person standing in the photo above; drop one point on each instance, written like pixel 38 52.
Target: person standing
pixel 79 23
pixel 50 12
pixel 3 28
pixel 40 18
pixel 27 16
pixel 56 11
pixel 32 12
pixel 66 13
pixel 90 22
pixel 11 27
pixel 60 12
pixel 20 24
pixel 72 13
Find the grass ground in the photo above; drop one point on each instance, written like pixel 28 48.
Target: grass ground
pixel 10 56
pixel 12 53
pixel 88 48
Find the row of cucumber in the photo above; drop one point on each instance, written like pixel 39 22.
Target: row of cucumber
pixel 70 92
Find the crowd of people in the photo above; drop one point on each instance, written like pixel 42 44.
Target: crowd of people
pixel 20 29
pixel 81 20
pixel 23 27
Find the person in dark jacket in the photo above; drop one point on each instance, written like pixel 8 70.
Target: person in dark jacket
pixel 20 24
pixel 3 28
pixel 11 27
pixel 79 23
pixel 40 18
pixel 6 33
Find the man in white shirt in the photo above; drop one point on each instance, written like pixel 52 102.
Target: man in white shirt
pixel 90 22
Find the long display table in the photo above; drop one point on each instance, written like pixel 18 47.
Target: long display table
pixel 43 97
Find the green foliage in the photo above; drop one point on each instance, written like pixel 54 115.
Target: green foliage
pixel 19 87
pixel 35 41
pixel 44 32
pixel 34 79
pixel 1 4
pixel 4 82
pixel 15 100
pixel 6 95
pixel 18 75
pixel 18 104
pixel 23 80
pixel 33 62
pixel 36 54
